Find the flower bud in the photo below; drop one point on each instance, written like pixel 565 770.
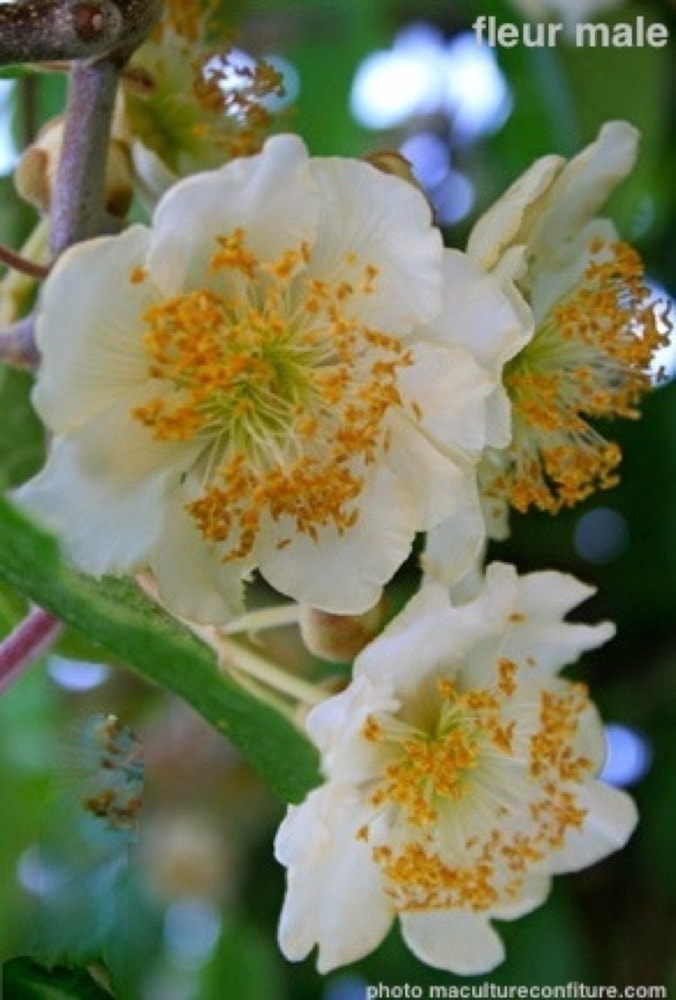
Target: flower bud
pixel 339 638
pixel 35 174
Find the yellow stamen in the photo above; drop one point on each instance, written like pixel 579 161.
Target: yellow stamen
pixel 589 360
pixel 287 391
pixel 444 763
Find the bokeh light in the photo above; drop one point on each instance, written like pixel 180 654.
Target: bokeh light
pixel 629 755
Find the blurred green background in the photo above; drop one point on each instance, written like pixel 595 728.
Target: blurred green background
pixel 187 910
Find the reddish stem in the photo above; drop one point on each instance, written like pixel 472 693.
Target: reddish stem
pixel 19 263
pixel 30 639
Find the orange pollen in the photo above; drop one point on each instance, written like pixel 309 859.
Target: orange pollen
pixel 428 774
pixel 287 392
pixel 589 360
pixel 138 275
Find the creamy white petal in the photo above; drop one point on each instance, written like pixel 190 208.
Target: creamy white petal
pixel 454 548
pixel 440 485
pixel 271 196
pixel 584 186
pixel 477 314
pixel 450 390
pixel 104 487
pixel 153 175
pixel 610 821
pixel 191 576
pixel 508 220
pixel 90 329
pixel 345 573
pixel 556 278
pixel 387 223
pixel 549 594
pixel 425 638
pixel 540 633
pixel 335 895
pixel 335 727
pixel 107 524
pixel 460 942
pixel 533 893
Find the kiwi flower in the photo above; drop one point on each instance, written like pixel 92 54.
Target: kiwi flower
pixel 595 324
pixel 460 776
pixel 259 381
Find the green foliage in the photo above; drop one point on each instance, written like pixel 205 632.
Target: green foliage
pixel 22 440
pixel 125 622
pixel 24 979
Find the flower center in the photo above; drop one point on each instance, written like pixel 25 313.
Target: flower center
pixel 287 391
pixel 498 787
pixel 589 359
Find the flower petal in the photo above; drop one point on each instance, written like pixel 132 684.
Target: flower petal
pixel 610 821
pixel 478 315
pixel 507 221
pixel 102 489
pixel 386 223
pixel 449 390
pixel 439 484
pixel 539 633
pixel 532 894
pixel 460 942
pixel 191 577
pixel 335 895
pixel 90 330
pixel 345 573
pixel 454 547
pixel 583 187
pixel 270 196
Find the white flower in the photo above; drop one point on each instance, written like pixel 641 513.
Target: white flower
pixel 460 776
pixel 570 12
pixel 596 328
pixel 251 383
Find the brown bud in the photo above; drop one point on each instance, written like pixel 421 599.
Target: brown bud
pixel 339 638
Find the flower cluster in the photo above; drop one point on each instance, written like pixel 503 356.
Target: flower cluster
pixel 288 373
pixel 460 776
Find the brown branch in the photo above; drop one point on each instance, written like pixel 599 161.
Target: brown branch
pixel 22 264
pixel 57 30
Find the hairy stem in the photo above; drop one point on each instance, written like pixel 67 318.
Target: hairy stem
pixel 78 207
pixel 29 640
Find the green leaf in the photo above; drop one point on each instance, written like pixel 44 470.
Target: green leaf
pixel 23 979
pixel 22 439
pixel 116 614
pixel 247 961
pixel 20 69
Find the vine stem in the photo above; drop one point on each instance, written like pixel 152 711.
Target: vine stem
pixel 13 259
pixel 30 639
pixel 236 658
pixel 78 210
pixel 263 618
